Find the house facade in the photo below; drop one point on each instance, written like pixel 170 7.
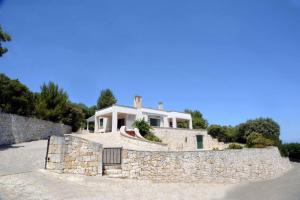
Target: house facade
pixel 111 119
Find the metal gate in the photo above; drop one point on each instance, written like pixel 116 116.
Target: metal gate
pixel 112 156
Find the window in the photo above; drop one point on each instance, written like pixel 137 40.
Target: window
pixel 154 122
pixel 101 122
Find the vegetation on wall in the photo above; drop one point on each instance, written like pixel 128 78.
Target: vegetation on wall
pixel 4 37
pixel 106 99
pixel 143 126
pixel 145 130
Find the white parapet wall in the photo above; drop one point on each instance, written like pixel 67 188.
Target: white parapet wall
pixel 204 166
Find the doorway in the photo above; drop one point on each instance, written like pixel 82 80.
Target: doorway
pixel 199 141
pixel 121 122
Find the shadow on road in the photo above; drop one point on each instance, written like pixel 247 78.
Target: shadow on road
pixel 5 147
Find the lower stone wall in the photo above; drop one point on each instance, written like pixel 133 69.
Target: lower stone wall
pixel 74 155
pixel 17 129
pixel 204 166
pixel 185 139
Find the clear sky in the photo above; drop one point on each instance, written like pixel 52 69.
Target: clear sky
pixel 233 60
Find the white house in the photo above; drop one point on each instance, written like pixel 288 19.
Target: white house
pixel 111 119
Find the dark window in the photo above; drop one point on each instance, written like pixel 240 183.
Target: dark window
pixel 154 122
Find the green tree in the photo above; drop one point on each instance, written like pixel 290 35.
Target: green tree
pixel 51 102
pixel 198 120
pixel 231 133
pixel 92 110
pixel 217 131
pixel 106 99
pixel 15 97
pixel 4 37
pixel 265 126
pixel 73 115
pixel 223 133
pixel 87 112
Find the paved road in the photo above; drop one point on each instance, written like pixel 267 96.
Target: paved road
pixel 23 157
pixel 286 187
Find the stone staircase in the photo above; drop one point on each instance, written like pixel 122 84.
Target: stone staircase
pixel 113 171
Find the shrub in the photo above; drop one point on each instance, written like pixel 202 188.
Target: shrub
pixel 152 137
pixel 291 150
pixel 257 140
pixel 235 146
pixel 145 130
pixel 143 127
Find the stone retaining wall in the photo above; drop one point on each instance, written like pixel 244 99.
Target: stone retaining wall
pixel 145 144
pixel 17 129
pixel 74 155
pixel 185 139
pixel 204 166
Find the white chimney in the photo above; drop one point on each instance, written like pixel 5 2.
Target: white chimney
pixel 137 102
pixel 160 105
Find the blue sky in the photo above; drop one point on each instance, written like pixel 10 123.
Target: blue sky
pixel 232 60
